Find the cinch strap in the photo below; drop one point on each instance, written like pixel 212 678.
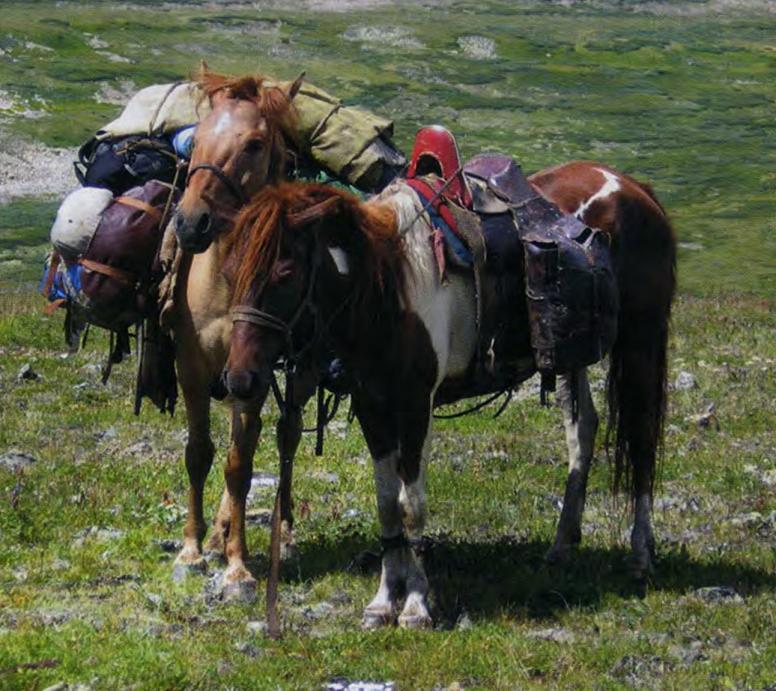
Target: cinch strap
pixel 142 206
pixel 111 271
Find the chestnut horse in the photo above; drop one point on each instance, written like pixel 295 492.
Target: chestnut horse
pixel 239 147
pixel 318 268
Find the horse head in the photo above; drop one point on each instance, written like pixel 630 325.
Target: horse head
pixel 313 264
pixel 239 146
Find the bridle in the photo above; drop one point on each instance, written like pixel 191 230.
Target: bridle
pixel 231 185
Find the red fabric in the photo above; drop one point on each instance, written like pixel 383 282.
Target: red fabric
pixel 438 143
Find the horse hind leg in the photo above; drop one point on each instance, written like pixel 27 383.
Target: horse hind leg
pixel 580 441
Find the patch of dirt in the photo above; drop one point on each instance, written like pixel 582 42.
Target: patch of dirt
pixel 32 169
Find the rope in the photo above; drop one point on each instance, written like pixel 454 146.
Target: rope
pixel 479 406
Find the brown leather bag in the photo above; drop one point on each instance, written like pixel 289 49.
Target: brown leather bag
pixel 121 267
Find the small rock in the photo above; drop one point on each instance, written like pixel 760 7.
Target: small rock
pixel 556 635
pixel 747 519
pixel 258 517
pixel 60 564
pixel 248 649
pixel 319 611
pixel 107 434
pixel 97 534
pixel 331 478
pixel 154 599
pixel 140 448
pixel 16 459
pixel 688 655
pixel 685 381
pixel 170 546
pixel 20 574
pixel 707 419
pixel 464 622
pixel 340 684
pixel 61 686
pixel 26 373
pixel 718 593
pixel 257 628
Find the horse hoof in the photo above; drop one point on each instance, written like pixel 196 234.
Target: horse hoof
pixel 377 619
pixel 415 621
pixel 182 569
pixel 240 592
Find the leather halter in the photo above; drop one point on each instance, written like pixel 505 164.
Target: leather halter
pixel 257 317
pixel 230 184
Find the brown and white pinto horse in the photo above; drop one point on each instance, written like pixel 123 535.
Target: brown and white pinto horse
pixel 239 147
pixel 319 267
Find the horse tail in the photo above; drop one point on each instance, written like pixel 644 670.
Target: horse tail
pixel 645 260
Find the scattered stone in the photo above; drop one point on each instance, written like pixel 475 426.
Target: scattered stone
pixel 718 593
pixel 26 373
pixel 350 514
pixel 319 611
pixel 464 622
pixel 60 564
pixel 13 460
pixel 556 635
pixel 97 534
pixel 261 517
pixel 154 599
pixel 331 478
pixel 478 47
pixel 692 246
pixel 689 654
pixel 61 686
pixel 340 684
pixel 261 483
pixel 673 429
pixel 107 434
pixel 685 381
pixel 747 519
pixel 257 628
pixel 181 571
pixel 170 546
pixel 707 419
pixel 636 670
pixel 393 36
pixel 248 649
pixel 140 448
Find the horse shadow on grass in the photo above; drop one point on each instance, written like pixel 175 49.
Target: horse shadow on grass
pixel 495 576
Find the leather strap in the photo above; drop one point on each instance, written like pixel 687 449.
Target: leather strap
pixel 230 184
pixel 111 271
pixel 53 306
pixel 142 206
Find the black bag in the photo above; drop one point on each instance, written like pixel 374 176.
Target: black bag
pixel 570 285
pixel 119 164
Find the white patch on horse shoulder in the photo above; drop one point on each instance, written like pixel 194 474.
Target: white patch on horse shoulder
pixel 224 122
pixel 340 259
pixel 610 186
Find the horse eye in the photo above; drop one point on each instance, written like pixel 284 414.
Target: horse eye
pixel 254 146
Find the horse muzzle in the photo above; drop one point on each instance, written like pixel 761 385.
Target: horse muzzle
pixel 194 233
pixel 245 384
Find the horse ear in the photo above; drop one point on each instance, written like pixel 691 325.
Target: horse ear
pixel 293 90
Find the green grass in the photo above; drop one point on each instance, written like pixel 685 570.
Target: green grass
pixel 685 102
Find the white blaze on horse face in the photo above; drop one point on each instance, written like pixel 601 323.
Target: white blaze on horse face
pixel 610 186
pixel 224 123
pixel 340 260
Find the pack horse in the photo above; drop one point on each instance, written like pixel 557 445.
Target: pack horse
pixel 319 269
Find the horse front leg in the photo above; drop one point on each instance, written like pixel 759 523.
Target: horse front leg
pixel 199 459
pixel 580 441
pixel 289 434
pixel 238 583
pixel 216 544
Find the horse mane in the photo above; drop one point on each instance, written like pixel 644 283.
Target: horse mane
pixel 367 230
pixel 272 101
